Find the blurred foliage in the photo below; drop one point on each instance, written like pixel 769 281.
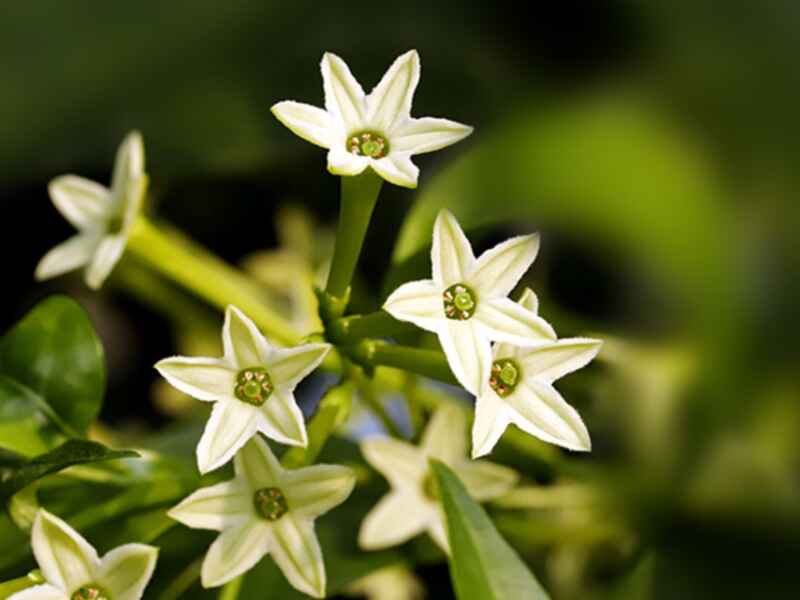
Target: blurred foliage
pixel 653 144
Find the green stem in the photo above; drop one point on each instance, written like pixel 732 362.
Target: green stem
pixel 430 363
pixel 375 325
pixel 7 588
pixel 334 408
pixel 359 194
pixel 183 581
pixel 202 273
pixel 231 589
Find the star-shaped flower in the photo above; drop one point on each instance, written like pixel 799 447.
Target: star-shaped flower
pixel 465 303
pixel 102 216
pixel 412 505
pixel 266 509
pixel 519 390
pixel 374 130
pixel 252 387
pixel 72 569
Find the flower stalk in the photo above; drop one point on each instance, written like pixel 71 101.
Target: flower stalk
pixel 201 272
pixel 359 195
pixel 376 353
pixel 379 324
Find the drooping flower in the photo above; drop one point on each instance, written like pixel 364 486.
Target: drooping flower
pixel 374 130
pixel 412 506
pixel 266 509
pixel 102 216
pixel 252 387
pixel 466 302
pixel 519 390
pixel 72 570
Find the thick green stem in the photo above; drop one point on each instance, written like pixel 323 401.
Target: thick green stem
pixel 205 275
pixel 7 588
pixel 349 330
pixel 359 194
pixel 430 363
pixel 334 409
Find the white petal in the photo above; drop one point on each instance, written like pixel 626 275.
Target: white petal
pixel 313 491
pixel 282 420
pixel 540 410
pixel 309 122
pixel 40 592
pixel 108 253
pixel 445 435
pixel 83 202
pixel 289 366
pixel 66 559
pixel 230 425
pixel 132 202
pixel 438 532
pixel 451 253
pixel 256 463
pixel 529 301
pixel 397 168
pixel 390 102
pixel 244 345
pixel 296 551
pixel 76 252
pixel 396 518
pixel 217 507
pixel 344 98
pixel 128 165
pixel 491 420
pixel 125 571
pixel 468 353
pixel 485 480
pixel 417 136
pixel 401 463
pixel 235 551
pixel 342 162
pixel 418 302
pixel 206 379
pixel 498 270
pixel 552 361
pixel 503 320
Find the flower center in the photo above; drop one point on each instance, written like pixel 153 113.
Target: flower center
pixel 90 591
pixel 459 302
pixel 270 503
pixel 368 143
pixel 253 385
pixel 429 488
pixel 504 377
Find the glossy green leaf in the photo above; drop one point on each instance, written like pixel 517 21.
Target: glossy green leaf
pixel 482 566
pixel 53 360
pixel 71 452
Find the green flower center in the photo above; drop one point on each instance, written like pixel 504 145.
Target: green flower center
pixel 368 143
pixel 253 385
pixel 90 591
pixel 429 488
pixel 459 302
pixel 270 503
pixel 504 377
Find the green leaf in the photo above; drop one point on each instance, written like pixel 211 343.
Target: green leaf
pixel 482 566
pixel 53 360
pixel 71 452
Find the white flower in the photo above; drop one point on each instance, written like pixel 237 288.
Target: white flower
pixel 252 387
pixel 412 505
pixel 519 390
pixel 102 216
pixel 374 130
pixel 72 569
pixel 266 509
pixel 465 303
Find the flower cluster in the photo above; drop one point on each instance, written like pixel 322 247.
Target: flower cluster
pixel 500 351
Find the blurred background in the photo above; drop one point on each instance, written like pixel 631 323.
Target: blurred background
pixel 653 144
